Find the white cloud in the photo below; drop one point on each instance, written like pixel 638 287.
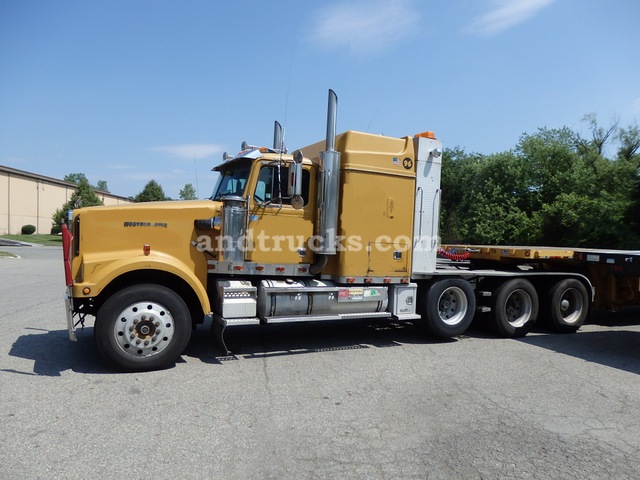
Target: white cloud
pixel 364 27
pixel 636 105
pixel 189 151
pixel 506 14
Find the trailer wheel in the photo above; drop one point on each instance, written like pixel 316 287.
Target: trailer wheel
pixel 142 327
pixel 515 308
pixel 450 306
pixel 567 305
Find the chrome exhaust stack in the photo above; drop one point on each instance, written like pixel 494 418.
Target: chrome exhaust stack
pixel 278 138
pixel 234 221
pixel 330 187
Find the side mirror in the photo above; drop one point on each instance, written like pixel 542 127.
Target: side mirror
pixel 295 181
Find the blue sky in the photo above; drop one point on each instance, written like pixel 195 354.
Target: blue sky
pixel 128 91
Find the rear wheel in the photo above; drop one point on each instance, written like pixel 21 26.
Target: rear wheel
pixel 515 308
pixel 143 327
pixel 450 306
pixel 567 305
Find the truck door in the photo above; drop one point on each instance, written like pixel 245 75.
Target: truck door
pixel 279 233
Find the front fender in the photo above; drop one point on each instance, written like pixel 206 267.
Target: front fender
pixel 99 273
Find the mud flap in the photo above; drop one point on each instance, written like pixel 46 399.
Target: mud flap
pixel 219 325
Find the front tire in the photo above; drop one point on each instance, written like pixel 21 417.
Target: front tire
pixel 142 327
pixel 515 308
pixel 450 306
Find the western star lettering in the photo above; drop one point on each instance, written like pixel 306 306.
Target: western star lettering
pixel 145 224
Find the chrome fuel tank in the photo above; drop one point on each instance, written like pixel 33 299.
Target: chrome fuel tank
pixel 294 298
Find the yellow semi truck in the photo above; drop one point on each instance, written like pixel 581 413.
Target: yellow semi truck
pixel 343 229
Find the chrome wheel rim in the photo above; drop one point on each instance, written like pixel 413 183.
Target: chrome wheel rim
pixel 518 308
pixel 571 306
pixel 452 306
pixel 144 329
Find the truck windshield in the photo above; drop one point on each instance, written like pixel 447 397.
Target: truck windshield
pixel 233 179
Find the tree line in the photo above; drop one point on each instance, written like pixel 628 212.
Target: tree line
pixel 556 187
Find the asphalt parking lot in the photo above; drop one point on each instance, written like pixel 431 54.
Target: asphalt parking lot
pixel 313 401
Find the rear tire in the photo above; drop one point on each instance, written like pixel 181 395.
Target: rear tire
pixel 567 305
pixel 449 307
pixel 142 327
pixel 515 308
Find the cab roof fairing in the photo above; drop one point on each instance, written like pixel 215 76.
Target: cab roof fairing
pixel 256 154
pixel 250 153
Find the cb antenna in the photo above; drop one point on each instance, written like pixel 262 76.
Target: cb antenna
pixel 195 168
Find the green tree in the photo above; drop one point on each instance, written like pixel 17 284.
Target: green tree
pixel 551 165
pixel 102 185
pixel 152 192
pixel 84 196
pixel 629 139
pixel 629 155
pixel 79 177
pixel 595 146
pixel 577 220
pixel 459 170
pixel 188 192
pixel 481 197
pixel 493 206
pixel 633 215
pixel 555 188
pixel 75 178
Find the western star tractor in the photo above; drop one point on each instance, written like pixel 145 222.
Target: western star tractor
pixel 343 229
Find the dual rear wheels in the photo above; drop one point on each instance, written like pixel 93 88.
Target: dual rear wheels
pixel 515 308
pixel 449 306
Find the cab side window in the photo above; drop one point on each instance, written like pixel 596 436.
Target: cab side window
pixel 272 185
pixel 266 188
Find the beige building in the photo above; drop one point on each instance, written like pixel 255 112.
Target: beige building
pixel 32 199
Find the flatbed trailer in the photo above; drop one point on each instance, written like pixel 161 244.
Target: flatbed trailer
pixel 614 274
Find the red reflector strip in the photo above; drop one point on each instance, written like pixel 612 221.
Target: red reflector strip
pixel 66 253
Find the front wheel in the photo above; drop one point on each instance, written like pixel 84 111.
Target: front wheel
pixel 142 327
pixel 450 306
pixel 515 308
